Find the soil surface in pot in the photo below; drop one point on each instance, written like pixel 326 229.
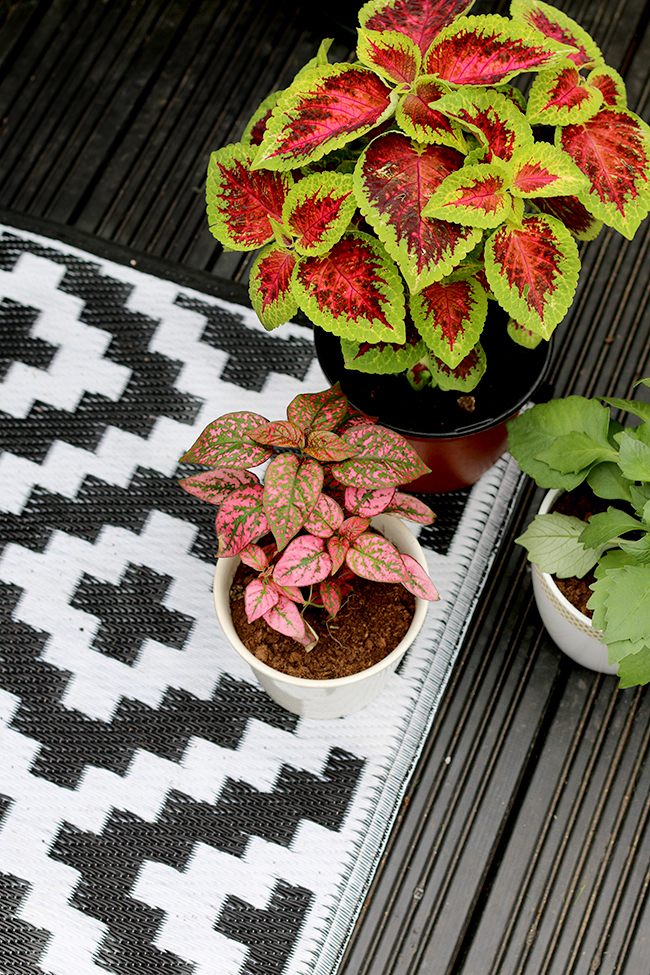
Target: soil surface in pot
pixel 373 619
pixel 581 503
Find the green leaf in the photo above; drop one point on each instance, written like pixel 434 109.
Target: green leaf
pixel 533 271
pixel 354 291
pixel 628 604
pixel 535 431
pixel 634 406
pixel 575 451
pixel 638 549
pixel 552 541
pixel 634 458
pixel 640 497
pixel 608 525
pixel 635 669
pixel 606 481
pixel 614 558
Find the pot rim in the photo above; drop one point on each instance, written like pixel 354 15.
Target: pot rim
pixel 229 565
pixel 549 500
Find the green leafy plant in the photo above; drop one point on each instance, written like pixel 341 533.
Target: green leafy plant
pixel 562 444
pixel 330 470
pixel 393 196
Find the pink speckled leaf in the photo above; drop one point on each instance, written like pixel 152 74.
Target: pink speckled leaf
pixel 450 315
pixel 323 110
pixel 240 200
pixel 368 502
pixel 612 149
pixel 555 24
pixel 241 519
pixel 291 490
pixel 421 20
pixel 337 548
pixel 330 592
pixel 394 178
pixel 285 618
pixel 418 118
pixel 305 562
pixel 327 446
pixel 254 556
pixel 228 442
pixel 269 286
pixel 417 580
pixel 318 210
pixel 318 411
pixel 561 97
pixel 354 290
pixel 385 459
pixel 406 506
pixel 533 271
pixel 216 485
pixel 488 50
pixel 260 596
pixel 374 557
pixel 280 433
pixel 392 55
pixel 326 518
pixel 353 526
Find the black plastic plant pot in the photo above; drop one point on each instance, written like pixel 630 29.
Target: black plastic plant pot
pixel 456 444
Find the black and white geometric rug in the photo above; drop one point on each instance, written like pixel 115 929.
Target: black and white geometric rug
pixel 158 813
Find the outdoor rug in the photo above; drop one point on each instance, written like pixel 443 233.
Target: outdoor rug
pixel 158 812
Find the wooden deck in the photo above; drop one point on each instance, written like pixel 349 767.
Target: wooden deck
pixel 523 847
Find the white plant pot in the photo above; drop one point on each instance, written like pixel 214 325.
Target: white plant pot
pixel 570 629
pixel 324 698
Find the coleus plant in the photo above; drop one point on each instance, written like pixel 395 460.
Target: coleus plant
pixel 306 530
pixel 561 444
pixel 394 195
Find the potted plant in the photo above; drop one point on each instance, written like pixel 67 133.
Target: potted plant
pixel 571 442
pixel 399 197
pixel 319 523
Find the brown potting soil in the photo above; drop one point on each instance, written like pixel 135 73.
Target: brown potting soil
pixel 581 503
pixel 373 619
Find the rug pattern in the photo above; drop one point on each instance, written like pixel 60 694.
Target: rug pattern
pixel 158 812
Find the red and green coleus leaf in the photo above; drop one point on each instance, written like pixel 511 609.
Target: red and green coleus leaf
pixel 254 131
pixel 269 286
pixel 561 96
pixel 319 411
pixel 417 580
pixel 476 195
pixel 488 50
pixel 373 557
pixel 318 210
pixel 326 518
pixel 384 459
pixel 228 442
pixel 394 179
pixel 417 116
pixel 610 85
pixel 280 433
pixel 354 290
pixel 421 20
pixel 572 213
pixel 543 170
pixel 419 374
pixel 241 519
pixel 464 377
pixel 216 485
pixel 533 271
pixel 522 335
pixel 368 502
pixel 392 55
pixel 493 118
pixel 323 110
pixel 406 506
pixel 241 200
pixel 612 149
pixel 292 486
pixel 305 562
pixel 555 25
pixel 382 358
pixel 450 315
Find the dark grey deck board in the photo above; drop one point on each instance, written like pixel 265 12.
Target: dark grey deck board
pixel 527 852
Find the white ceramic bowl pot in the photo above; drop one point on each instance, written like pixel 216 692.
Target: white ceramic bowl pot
pixel 324 698
pixel 570 629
